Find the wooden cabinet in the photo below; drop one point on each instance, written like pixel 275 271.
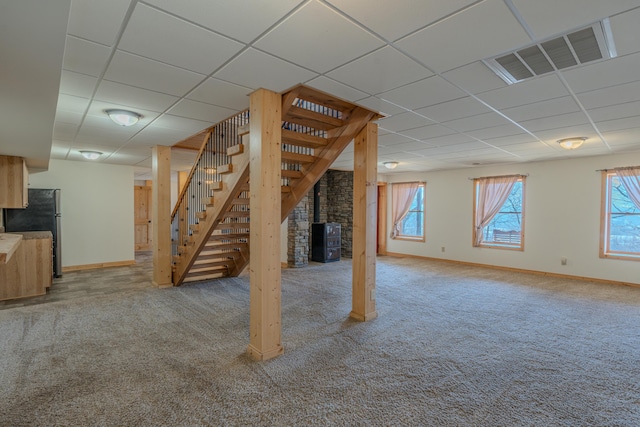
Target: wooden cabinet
pixel 27 269
pixel 14 181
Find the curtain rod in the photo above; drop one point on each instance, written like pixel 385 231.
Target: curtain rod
pixel 408 182
pixel 498 176
pixel 617 169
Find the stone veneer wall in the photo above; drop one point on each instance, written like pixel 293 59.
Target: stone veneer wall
pixel 336 205
pixel 298 248
pixel 340 206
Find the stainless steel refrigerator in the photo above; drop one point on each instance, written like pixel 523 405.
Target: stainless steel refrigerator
pixel 42 214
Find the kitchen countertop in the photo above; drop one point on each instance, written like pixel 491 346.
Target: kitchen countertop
pixel 32 235
pixel 8 245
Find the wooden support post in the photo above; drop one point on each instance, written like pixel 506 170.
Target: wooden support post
pixel 265 204
pixel 365 203
pixel 161 202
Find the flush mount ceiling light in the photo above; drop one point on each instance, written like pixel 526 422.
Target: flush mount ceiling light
pixel 90 155
pixel 571 143
pixel 390 165
pixel 123 117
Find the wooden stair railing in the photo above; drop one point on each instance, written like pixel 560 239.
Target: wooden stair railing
pixel 213 242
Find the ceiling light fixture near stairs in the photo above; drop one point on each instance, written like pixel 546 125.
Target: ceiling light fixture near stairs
pixel 90 155
pixel 390 165
pixel 123 117
pixel 585 45
pixel 572 143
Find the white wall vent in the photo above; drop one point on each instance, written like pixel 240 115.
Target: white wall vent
pixel 588 44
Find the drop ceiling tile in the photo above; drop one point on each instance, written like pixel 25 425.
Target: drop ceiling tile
pixel 222 94
pixel 181 123
pixel 446 140
pixel 423 93
pixel 408 16
pixel 625 32
pixel 427 132
pixel 623 137
pixel 165 38
pixel 113 137
pixel 403 121
pixel 64 131
pixel 392 139
pixel 376 104
pixel 152 136
pixel 456 109
pixel 611 95
pixel 479 121
pixel 70 117
pixel 496 132
pixel 613 112
pixel 466 37
pixel 380 71
pixel 520 138
pixel 555 122
pixel 98 21
pixel 201 111
pixel 145 73
pixel 537 110
pixel 77 84
pixel 619 124
pixel 318 31
pixel 526 92
pixel 249 20
pixel 336 88
pixel 618 71
pixel 474 78
pixel 448 149
pixel 59 149
pixel 72 104
pixel 410 146
pixel 547 18
pixel 133 97
pixel 85 57
pixel 256 69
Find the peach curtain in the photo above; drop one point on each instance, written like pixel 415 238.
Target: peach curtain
pixel 630 178
pixel 402 195
pixel 492 193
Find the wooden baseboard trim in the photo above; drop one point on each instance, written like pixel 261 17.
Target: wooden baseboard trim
pixel 517 270
pixel 284 265
pixel 70 268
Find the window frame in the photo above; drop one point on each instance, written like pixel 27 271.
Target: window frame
pixel 605 222
pixel 499 245
pixel 423 186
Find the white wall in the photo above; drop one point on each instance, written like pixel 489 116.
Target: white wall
pixel 562 218
pixel 97 210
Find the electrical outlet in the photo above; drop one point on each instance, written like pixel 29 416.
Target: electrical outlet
pixel 563 261
pixel 442 249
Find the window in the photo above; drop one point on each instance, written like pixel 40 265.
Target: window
pixel 408 211
pixel 620 219
pixel 498 212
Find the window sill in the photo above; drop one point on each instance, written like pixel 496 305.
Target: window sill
pixel 624 257
pixel 409 238
pixel 499 246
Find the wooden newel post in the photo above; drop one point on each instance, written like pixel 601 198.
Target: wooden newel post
pixel 161 216
pixel 365 206
pixel 264 244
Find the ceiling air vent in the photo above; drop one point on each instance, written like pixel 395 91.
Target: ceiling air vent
pixel 579 47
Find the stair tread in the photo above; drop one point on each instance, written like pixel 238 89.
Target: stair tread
pixel 302 139
pixel 288 156
pixel 311 119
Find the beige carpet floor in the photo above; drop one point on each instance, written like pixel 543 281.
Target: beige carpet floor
pixel 452 346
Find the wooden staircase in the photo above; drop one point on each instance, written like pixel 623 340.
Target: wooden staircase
pixel 213 241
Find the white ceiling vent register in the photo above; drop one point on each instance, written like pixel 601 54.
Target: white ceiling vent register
pixel 579 47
